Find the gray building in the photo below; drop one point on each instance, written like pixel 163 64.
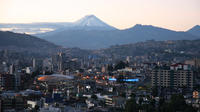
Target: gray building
pixel 175 76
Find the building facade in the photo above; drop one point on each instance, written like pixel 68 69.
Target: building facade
pixel 7 82
pixel 175 76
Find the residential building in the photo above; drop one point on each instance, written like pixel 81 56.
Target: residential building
pixel 175 76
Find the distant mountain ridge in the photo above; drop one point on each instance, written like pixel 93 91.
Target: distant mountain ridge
pixel 95 39
pixel 24 42
pixel 92 33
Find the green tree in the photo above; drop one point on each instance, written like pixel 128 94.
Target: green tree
pixel 94 97
pixel 133 95
pixel 155 91
pixel 176 104
pixel 131 106
pixel 120 65
pixel 36 109
pixel 140 101
pixel 110 68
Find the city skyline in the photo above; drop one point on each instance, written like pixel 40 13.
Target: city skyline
pixel 179 15
pixel 99 56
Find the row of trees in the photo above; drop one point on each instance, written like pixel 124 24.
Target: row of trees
pixel 175 104
pixel 132 106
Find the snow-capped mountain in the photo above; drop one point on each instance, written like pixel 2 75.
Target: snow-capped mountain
pixel 89 22
pixel 92 22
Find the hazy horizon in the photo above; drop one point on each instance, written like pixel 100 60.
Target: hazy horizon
pixel 179 15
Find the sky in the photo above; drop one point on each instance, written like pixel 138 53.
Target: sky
pixel 179 15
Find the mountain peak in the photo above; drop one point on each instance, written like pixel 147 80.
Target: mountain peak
pixel 195 30
pixel 90 16
pixel 147 27
pixel 141 25
pixel 197 26
pixel 92 21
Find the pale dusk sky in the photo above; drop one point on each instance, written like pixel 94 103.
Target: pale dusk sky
pixel 177 15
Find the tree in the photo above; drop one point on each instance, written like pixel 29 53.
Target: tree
pixel 155 91
pixel 140 101
pixel 132 95
pixel 110 68
pixel 81 70
pixel 94 97
pixel 120 65
pixel 131 105
pixel 36 109
pixel 176 103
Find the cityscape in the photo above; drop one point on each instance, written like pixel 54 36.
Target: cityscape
pixel 89 65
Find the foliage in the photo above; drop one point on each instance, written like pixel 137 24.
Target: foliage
pixel 94 97
pixel 131 106
pixel 176 103
pixel 110 68
pixel 120 65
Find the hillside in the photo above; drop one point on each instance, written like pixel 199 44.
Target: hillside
pixel 195 30
pixel 155 50
pixel 24 42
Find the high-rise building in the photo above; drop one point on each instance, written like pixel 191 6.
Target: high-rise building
pixel 4 67
pixel 174 76
pixel 7 81
pixel 197 63
pixel 47 65
pixel 128 59
pixel 34 64
pixel 11 69
pixel 17 80
pixel 60 62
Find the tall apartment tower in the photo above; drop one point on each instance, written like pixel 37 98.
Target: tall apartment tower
pixel 11 69
pixel 174 76
pixel 34 64
pixel 59 62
